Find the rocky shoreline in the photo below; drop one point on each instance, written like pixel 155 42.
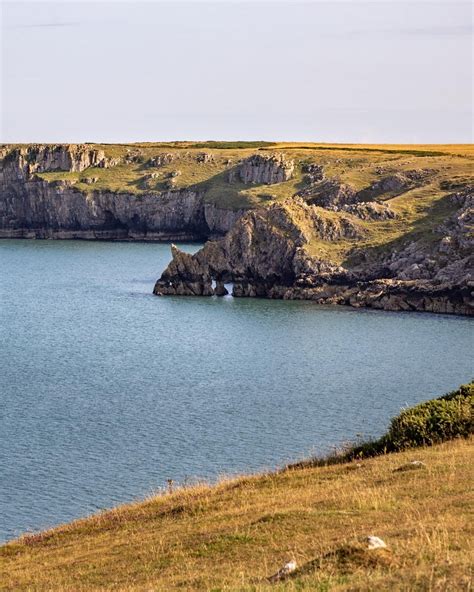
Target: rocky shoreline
pixel 266 254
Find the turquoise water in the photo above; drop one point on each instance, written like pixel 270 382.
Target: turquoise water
pixel 107 390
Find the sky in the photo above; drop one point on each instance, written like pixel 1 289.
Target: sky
pixel 324 71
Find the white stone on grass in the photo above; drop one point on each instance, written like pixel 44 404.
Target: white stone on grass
pixel 375 542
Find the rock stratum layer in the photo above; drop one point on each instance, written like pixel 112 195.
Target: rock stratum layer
pixel 387 227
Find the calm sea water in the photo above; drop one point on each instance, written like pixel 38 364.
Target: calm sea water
pixel 107 390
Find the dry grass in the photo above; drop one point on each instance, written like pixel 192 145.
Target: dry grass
pixel 234 535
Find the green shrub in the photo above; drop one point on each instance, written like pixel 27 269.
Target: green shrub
pixel 432 422
pixel 450 416
pixel 447 417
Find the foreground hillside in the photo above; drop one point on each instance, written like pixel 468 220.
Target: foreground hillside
pixel 314 516
pixel 234 535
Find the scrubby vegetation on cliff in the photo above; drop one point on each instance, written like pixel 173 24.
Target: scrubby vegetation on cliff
pixel 234 535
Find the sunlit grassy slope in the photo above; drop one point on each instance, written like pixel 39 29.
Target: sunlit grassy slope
pixel 418 210
pixel 233 535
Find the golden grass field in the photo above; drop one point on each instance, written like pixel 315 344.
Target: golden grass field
pixel 233 535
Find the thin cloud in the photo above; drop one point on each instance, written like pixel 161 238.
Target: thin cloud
pixel 45 25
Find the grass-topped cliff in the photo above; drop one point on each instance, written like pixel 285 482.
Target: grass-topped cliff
pixel 234 535
pixel 149 168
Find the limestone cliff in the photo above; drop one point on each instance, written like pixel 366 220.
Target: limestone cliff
pixel 266 169
pixel 31 207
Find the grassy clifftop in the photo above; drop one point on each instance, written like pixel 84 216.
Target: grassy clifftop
pixel 234 535
pixel 418 208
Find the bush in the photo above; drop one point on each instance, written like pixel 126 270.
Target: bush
pixel 450 416
pixel 433 422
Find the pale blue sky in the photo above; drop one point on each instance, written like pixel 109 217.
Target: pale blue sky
pixel 383 71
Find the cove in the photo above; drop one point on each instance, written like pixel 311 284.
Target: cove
pixel 107 391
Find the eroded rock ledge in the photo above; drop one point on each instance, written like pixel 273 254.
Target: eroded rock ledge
pixel 267 254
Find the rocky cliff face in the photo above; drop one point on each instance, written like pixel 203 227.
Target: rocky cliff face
pixel 31 207
pixel 265 169
pixel 41 158
pixel 266 254
pixel 264 248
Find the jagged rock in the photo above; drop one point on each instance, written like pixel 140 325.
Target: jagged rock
pixel 90 180
pixel 108 163
pixel 264 169
pixel 203 157
pixel 370 211
pixel 330 194
pixel 132 156
pixel 161 159
pixel 265 255
pixel 264 247
pixel 313 173
pixel 194 277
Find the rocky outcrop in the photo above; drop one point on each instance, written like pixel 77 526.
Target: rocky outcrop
pixel 329 194
pixel 265 247
pixel 42 158
pixel 313 173
pixel 266 254
pixel 365 203
pixel 161 159
pixel 396 183
pixel 370 210
pixel 204 157
pixel 263 169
